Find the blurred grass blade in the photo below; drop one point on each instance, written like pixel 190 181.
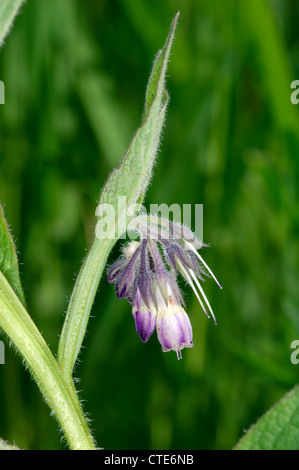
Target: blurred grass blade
pixel 273 56
pixel 278 429
pixel 125 187
pixel 8 258
pixel 8 10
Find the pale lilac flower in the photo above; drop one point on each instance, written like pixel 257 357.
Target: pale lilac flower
pixel 174 329
pixel 145 317
pixel 146 275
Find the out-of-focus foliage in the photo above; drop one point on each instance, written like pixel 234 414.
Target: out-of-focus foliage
pixel 75 74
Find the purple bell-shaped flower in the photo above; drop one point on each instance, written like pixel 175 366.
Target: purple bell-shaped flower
pixel 146 275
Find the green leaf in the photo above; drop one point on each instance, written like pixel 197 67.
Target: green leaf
pixel 133 175
pixel 8 258
pixel 8 10
pixel 278 429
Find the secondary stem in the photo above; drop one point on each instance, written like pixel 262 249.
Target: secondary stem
pixel 61 398
pixel 78 313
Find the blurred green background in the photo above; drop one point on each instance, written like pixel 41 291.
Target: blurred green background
pixel 75 74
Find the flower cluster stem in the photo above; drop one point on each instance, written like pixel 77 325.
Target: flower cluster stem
pixel 80 304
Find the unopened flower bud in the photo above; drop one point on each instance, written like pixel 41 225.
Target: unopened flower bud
pixel 145 317
pixel 174 328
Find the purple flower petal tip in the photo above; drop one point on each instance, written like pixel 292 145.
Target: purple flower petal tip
pixel 174 329
pixel 145 323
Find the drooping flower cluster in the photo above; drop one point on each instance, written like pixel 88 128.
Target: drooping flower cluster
pixel 146 275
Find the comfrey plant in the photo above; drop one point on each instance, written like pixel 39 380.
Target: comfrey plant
pixel 145 274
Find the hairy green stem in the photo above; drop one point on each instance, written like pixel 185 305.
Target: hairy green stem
pixel 61 398
pixel 80 304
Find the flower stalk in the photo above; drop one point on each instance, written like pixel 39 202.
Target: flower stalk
pixel 80 305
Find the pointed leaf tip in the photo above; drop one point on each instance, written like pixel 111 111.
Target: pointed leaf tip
pixel 131 178
pixel 8 258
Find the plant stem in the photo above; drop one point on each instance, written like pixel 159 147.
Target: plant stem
pixel 79 308
pixel 61 398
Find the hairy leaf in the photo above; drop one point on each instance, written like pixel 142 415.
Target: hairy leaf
pixel 132 177
pixel 278 429
pixel 8 10
pixel 8 258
